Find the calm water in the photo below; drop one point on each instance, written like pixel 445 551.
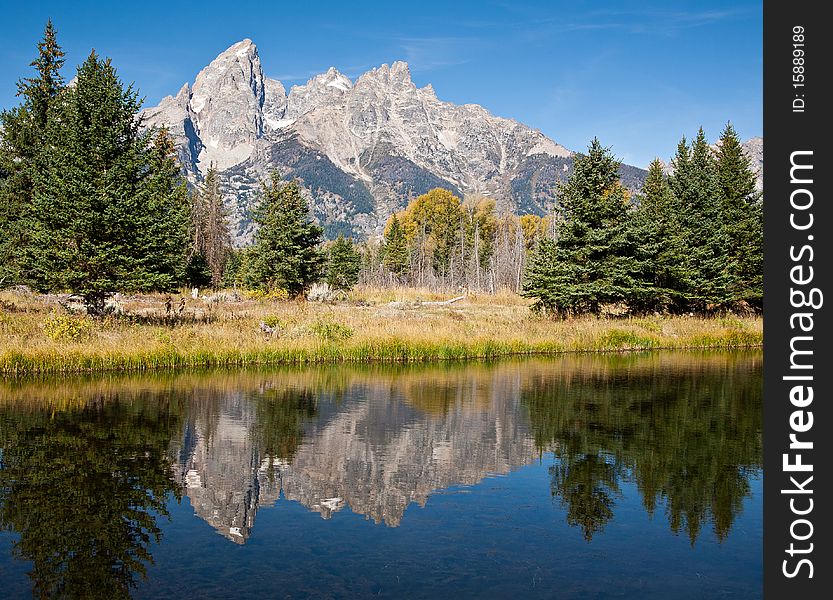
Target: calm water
pixel 597 476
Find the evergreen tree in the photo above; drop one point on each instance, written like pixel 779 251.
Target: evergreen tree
pixel 40 91
pixel 285 254
pixel 235 273
pixel 396 254
pixel 546 277
pixel 22 131
pixel 197 272
pixel 592 263
pixel 742 212
pixel 695 186
pixel 343 265
pixel 109 208
pixel 655 224
pixel 160 240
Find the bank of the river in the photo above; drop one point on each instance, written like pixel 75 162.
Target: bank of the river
pixel 40 335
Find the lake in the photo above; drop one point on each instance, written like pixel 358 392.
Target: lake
pixel 622 475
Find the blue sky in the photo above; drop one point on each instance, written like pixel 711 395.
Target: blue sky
pixel 636 74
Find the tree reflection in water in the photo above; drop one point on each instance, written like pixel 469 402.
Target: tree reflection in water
pixel 689 442
pixel 278 427
pixel 587 485
pixel 84 488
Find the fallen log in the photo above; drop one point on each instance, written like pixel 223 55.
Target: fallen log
pixel 441 302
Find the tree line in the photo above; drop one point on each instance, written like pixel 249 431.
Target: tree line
pixel 691 241
pixel 93 202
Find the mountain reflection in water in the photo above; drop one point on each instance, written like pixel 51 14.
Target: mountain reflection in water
pixel 87 465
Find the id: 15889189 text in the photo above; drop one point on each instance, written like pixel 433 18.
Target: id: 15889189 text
pixel 798 69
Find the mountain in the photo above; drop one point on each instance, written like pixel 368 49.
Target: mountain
pixel 362 149
pixel 754 150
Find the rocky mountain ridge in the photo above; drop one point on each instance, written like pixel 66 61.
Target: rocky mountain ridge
pixel 361 149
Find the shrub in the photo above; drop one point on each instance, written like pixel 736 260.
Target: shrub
pixel 331 331
pixel 274 322
pixel 273 294
pixel 66 328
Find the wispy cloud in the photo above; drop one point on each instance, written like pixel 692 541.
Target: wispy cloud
pixel 655 21
pixel 429 53
pixel 529 20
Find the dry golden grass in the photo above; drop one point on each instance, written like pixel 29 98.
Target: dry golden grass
pixel 37 335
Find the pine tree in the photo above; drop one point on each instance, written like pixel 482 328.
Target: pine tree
pixel 40 91
pixel 546 278
pixel 655 223
pixel 285 254
pixel 160 239
pixel 109 209
pixel 742 216
pixel 396 256
pixel 343 265
pixel 695 186
pixel 592 263
pixel 22 131
pixel 236 269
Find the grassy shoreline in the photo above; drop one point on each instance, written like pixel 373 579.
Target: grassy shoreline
pixel 38 336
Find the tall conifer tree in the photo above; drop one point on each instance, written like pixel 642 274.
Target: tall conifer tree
pixel 285 254
pixel 695 186
pixel 396 256
pixel 742 210
pixel 343 265
pixel 656 225
pixel 40 91
pixel 593 261
pixel 22 131
pixel 109 206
